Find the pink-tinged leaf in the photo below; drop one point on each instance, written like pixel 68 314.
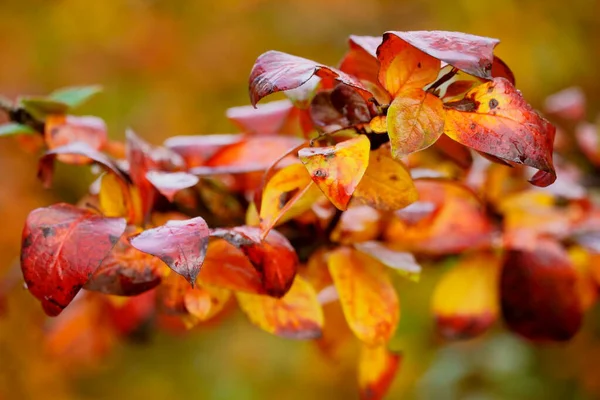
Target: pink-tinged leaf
pixel 61 130
pixel 275 71
pixel 46 163
pixel 538 290
pixel 337 170
pixel 274 257
pixel 568 104
pixel 62 247
pixel 493 118
pixel 265 119
pixel 169 183
pixel 195 150
pixel 470 53
pixel 181 245
pixel 588 140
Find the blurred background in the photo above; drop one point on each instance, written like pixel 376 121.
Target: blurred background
pixel 172 68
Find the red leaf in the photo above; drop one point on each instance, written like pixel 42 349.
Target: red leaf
pixel 377 367
pixel 568 104
pixel 169 183
pixel 195 150
pixel 61 130
pixel 181 245
pixel 140 162
pixel 275 71
pixel 495 119
pixel 361 60
pixel 470 53
pixel 274 257
pixel 46 163
pixel 538 290
pixel 126 271
pixel 62 247
pixel 267 119
pixel 501 70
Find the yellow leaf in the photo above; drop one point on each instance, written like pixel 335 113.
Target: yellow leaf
pixel 297 315
pixel 466 299
pixel 386 184
pixel 337 170
pixel 368 298
pixel 377 367
pixel 112 199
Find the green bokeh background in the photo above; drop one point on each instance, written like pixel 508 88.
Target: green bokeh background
pixel 173 67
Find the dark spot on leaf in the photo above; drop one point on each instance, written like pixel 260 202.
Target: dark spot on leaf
pixel 490 89
pixel 493 103
pixel 419 65
pixel 473 126
pixel 465 105
pixel 48 231
pixel 320 173
pixel 329 156
pixel 393 178
pixel 27 242
pixel 113 239
pixel 167 259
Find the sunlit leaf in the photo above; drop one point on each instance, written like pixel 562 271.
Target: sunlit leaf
pixel 337 170
pixel 204 302
pixel 361 59
pixel 181 245
pixel 495 119
pixel 466 300
pixel 297 315
pixel 367 296
pixel 62 247
pixel 377 367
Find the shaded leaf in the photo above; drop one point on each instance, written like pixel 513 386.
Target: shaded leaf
pixel 538 291
pixel 181 245
pixel 297 315
pixel 367 296
pixel 495 119
pixel 386 184
pixel 470 53
pixel 275 71
pixel 377 367
pixel 41 107
pixel 337 170
pixel 12 128
pixel 465 299
pixel 62 246
pixel 273 257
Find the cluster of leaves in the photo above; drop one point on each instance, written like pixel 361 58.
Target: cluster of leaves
pixel 396 159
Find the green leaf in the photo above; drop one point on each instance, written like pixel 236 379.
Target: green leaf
pixel 40 107
pixel 12 128
pixel 75 96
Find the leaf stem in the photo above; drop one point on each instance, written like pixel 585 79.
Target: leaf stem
pixel 445 78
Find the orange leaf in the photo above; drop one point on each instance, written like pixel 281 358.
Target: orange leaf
pixel 465 300
pixel 357 224
pixel 61 130
pixel 297 315
pixel 404 66
pixel 367 296
pixel 386 184
pixel 377 367
pixel 495 119
pixel 415 120
pixel 361 60
pixel 204 302
pixel 337 170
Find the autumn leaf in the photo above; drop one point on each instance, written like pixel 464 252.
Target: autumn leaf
pixel 386 184
pixel 140 162
pixel 466 300
pixel 126 271
pixel 470 53
pixel 228 267
pixel 297 315
pixel 61 130
pixel 62 247
pixel 538 291
pixel 275 117
pixel 287 194
pixel 204 302
pixel 181 245
pixel 339 108
pixel 367 296
pixel 337 170
pixel 402 262
pixel 495 119
pixel 357 224
pixel 361 59
pixel 169 183
pixel 75 96
pixel 196 150
pixel 377 367
pixel 46 163
pixel 13 128
pixel 275 71
pixel 273 257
